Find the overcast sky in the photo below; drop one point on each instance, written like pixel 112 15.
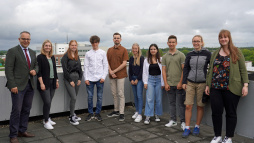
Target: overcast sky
pixel 141 21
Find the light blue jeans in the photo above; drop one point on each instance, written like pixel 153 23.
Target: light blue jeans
pixel 153 95
pixel 138 95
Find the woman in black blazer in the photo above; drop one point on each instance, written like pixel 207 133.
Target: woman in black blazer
pixel 47 80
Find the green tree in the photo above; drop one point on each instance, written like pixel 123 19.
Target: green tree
pixel 2 61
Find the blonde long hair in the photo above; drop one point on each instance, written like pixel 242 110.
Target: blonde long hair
pixel 137 58
pixel 42 48
pixel 69 51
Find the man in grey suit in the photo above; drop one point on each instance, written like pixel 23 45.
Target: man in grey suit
pixel 20 69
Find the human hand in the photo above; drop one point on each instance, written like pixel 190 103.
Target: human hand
pixel 57 84
pixel 79 82
pixel 42 86
pixel 15 90
pixel 132 82
pixel 245 91
pixel 145 86
pixel 184 86
pixel 114 76
pixel 179 86
pixel 102 80
pixel 207 90
pixel 167 87
pixel 72 84
pixel 87 82
pixel 32 72
pixel 136 82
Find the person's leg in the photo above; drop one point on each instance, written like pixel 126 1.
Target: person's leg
pixel 72 94
pixel 180 97
pixel 134 90
pixel 52 93
pixel 99 96
pixel 114 93
pixel 217 110
pixel 17 101
pixel 158 98
pixel 230 102
pixel 120 91
pixel 189 101
pixel 149 108
pixel 140 87
pixel 90 91
pixel 46 98
pixel 172 102
pixel 200 105
pixel 26 107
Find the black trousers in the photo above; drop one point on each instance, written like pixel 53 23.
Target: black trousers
pixel 221 99
pixel 21 105
pixel 47 96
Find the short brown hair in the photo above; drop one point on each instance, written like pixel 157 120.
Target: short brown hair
pixel 94 39
pixel 117 34
pixel 172 37
pixel 42 50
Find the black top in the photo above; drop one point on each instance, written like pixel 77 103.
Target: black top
pixel 44 71
pixel 154 69
pixel 136 70
pixel 69 66
pixel 221 67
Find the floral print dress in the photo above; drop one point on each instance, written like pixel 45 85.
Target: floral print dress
pixel 220 78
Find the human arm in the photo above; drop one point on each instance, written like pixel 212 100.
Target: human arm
pixel 9 70
pixel 186 71
pixel 164 75
pixel 179 85
pixel 66 73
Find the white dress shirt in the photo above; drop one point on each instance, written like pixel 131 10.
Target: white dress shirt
pixel 96 65
pixel 146 72
pixel 27 51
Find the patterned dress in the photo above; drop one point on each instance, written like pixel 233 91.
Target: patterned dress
pixel 220 78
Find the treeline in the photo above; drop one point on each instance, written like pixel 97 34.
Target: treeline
pixel 248 52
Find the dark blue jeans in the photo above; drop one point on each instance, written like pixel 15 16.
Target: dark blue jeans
pixel 138 95
pixel 90 90
pixel 21 105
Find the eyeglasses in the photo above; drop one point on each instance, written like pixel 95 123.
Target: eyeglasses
pixel 24 39
pixel 116 38
pixel 196 41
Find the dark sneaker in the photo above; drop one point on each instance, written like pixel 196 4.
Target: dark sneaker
pixel 121 117
pixel 195 131
pixel 89 117
pixel 98 117
pixel 186 133
pixel 113 114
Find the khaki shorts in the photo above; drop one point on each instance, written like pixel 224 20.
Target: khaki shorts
pixel 192 90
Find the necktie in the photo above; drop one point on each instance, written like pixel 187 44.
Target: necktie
pixel 27 59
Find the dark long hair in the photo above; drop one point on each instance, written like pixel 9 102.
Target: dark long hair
pixel 149 55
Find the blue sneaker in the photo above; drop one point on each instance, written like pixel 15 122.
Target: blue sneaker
pixel 195 131
pixel 186 133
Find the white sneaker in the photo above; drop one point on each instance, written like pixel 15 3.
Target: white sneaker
pixel 183 125
pixel 138 119
pixel 48 126
pixel 51 122
pixel 171 123
pixel 76 117
pixel 147 120
pixel 216 140
pixel 73 120
pixel 135 115
pixel 157 119
pixel 227 140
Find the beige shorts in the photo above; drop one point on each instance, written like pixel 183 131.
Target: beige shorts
pixel 192 90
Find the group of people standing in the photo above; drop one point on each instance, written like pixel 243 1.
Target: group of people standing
pixel 222 75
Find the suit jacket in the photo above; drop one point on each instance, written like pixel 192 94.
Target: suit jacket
pixel 16 68
pixel 44 71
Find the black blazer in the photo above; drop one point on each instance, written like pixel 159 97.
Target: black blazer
pixel 16 68
pixel 44 71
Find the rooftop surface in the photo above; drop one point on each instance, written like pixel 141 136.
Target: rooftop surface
pixel 110 130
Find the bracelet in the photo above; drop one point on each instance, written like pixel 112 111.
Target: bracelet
pixel 245 85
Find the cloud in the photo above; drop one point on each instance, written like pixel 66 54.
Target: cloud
pixel 143 21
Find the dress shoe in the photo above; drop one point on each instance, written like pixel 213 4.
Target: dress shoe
pixel 14 140
pixel 25 134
